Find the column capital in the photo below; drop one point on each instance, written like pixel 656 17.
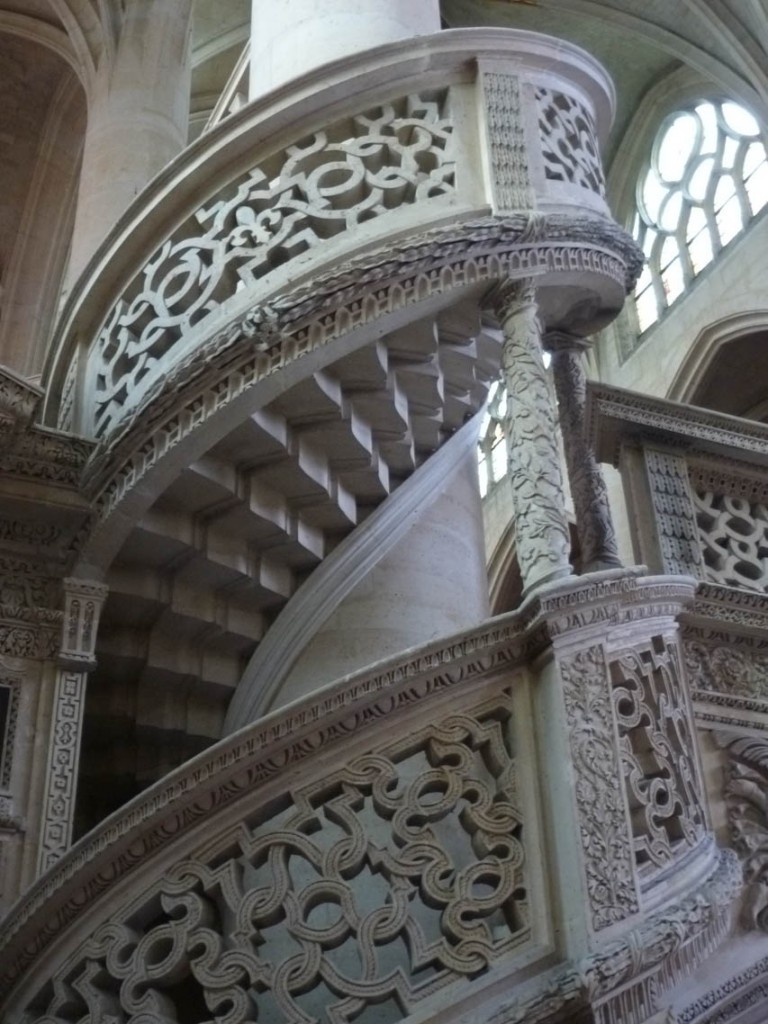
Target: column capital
pixel 510 295
pixel 83 601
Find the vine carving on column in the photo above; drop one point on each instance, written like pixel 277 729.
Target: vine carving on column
pixel 366 890
pixel 657 746
pixel 543 539
pixel 603 825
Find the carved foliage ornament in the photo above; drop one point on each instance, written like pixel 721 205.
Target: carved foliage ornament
pixel 603 826
pixel 372 887
pixel 746 794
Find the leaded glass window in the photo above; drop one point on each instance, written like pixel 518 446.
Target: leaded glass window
pixel 492 453
pixel 708 176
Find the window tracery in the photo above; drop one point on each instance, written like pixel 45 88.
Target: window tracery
pixel 707 178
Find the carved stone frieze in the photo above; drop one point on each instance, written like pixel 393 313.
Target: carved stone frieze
pixel 538 500
pixel 510 180
pixel 736 670
pixel 603 824
pixel 743 991
pixel 30 619
pixel 61 775
pixel 658 752
pixel 387 878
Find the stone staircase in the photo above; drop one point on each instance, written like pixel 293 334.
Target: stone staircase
pixel 226 545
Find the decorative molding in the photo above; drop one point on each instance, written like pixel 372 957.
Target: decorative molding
pixel 742 991
pixel 603 824
pixel 18 400
pixel 510 180
pixel 616 416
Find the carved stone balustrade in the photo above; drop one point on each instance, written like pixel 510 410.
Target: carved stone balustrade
pixel 411 839
pixel 374 183
pixel 697 492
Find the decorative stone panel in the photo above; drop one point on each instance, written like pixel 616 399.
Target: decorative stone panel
pixel 352 897
pixel 351 172
pixel 658 752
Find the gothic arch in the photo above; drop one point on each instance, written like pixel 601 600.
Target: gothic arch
pixel 709 347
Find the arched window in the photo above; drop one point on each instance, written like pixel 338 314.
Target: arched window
pixel 492 446
pixel 707 177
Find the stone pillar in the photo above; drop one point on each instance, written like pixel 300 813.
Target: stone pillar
pixel 138 114
pixel 289 37
pixel 83 600
pixel 590 496
pixel 538 500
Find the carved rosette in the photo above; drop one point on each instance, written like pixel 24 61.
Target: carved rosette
pixel 538 499
pixel 590 496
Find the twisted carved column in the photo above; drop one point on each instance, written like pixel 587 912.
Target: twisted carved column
pixel 543 541
pixel 590 496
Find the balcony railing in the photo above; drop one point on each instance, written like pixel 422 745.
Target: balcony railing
pixel 468 142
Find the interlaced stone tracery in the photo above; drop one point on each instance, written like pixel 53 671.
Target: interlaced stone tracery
pixel 370 888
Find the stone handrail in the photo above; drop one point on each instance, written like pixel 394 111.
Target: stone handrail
pixel 381 840
pixel 338 163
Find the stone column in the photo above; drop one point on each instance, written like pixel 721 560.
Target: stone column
pixel 138 117
pixel 590 496
pixel 83 600
pixel 538 500
pixel 289 37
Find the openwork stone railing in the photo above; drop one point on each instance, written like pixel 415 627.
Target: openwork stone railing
pixel 697 483
pixel 227 246
pixel 384 843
